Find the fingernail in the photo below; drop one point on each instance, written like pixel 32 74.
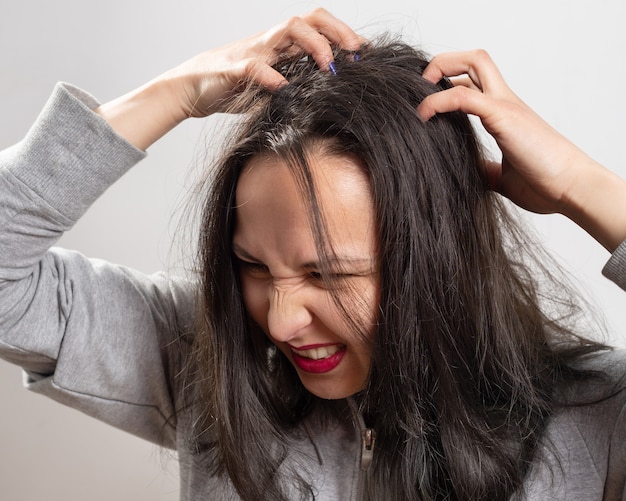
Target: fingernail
pixel 332 67
pixel 356 57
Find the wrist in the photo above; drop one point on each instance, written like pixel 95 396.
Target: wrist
pixel 597 203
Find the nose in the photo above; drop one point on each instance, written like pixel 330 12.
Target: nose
pixel 288 312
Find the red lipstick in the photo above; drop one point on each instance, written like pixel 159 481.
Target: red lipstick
pixel 321 365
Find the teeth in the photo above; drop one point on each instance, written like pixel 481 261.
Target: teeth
pixel 318 353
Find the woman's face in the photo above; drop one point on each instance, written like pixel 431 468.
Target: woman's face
pixel 280 270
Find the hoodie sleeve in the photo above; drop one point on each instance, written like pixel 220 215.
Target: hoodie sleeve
pixel 104 339
pixel 615 268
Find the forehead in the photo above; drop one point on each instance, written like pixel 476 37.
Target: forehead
pixel 272 208
pixel 339 182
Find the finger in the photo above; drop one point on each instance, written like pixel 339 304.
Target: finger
pixel 313 35
pixel 464 81
pixel 477 65
pixel 456 99
pixel 298 35
pixel 260 73
pixel 288 53
pixel 335 30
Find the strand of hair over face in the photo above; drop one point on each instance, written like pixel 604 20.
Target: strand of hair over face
pixel 464 366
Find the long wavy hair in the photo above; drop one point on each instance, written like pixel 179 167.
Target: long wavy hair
pixel 469 351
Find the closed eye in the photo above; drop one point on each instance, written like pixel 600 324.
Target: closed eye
pixel 315 275
pixel 332 279
pixel 252 266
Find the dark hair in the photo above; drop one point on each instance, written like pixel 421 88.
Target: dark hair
pixel 466 363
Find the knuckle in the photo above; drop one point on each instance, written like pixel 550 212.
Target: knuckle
pixel 456 100
pixel 250 67
pixel 248 64
pixel 318 12
pixel 481 55
pixel 460 95
pixel 293 22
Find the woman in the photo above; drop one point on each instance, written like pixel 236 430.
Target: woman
pixel 364 331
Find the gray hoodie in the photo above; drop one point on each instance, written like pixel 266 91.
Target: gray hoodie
pixel 108 340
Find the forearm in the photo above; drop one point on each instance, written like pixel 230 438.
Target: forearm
pixel 597 203
pixel 144 115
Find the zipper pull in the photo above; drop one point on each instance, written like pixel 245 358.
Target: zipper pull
pixel 368 438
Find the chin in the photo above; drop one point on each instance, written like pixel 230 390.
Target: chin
pixel 330 390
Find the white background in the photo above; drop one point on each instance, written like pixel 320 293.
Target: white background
pixel 566 59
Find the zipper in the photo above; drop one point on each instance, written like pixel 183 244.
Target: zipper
pixel 368 436
pixel 368 439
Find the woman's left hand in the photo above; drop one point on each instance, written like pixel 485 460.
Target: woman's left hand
pixel 540 170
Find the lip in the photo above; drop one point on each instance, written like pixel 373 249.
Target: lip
pixel 310 346
pixel 318 366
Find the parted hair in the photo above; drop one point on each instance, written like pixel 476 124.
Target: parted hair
pixel 469 351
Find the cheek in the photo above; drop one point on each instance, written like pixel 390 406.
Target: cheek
pixel 374 308
pixel 255 300
pixel 362 304
pixel 371 302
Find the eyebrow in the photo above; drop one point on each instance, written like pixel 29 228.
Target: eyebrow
pixel 340 261
pixel 312 265
pixel 243 253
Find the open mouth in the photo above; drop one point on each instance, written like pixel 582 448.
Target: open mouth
pixel 320 359
pixel 320 352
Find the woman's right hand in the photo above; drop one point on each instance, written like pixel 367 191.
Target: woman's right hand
pixel 206 81
pixel 204 84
